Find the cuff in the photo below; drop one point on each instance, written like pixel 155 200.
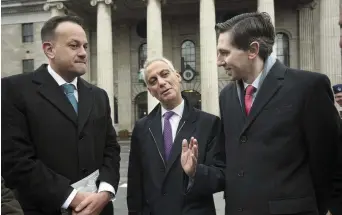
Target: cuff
pixel 69 199
pixel 104 186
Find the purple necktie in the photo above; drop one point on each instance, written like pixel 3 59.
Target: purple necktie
pixel 167 134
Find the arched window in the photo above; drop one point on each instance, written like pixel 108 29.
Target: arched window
pixel 283 48
pixel 142 55
pixel 188 55
pixel 140 105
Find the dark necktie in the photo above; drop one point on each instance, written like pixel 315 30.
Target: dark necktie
pixel 168 140
pixel 69 92
pixel 249 98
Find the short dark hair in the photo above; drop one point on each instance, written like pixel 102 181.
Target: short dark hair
pixel 249 27
pixel 48 30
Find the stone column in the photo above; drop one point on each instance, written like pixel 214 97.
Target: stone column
pixel 124 77
pixel 306 37
pixel 154 39
pixel 105 77
pixel 329 39
pixel 208 73
pixel 268 7
pixel 87 76
pixel 56 7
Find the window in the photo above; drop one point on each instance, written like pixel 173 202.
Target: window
pixel 282 43
pixel 142 55
pixel 27 32
pixel 28 65
pixel 188 55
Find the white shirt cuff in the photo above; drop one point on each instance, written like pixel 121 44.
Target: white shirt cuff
pixel 69 199
pixel 104 186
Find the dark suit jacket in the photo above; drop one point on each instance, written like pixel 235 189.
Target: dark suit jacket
pixel 280 159
pixel 158 187
pixel 9 204
pixel 336 202
pixel 46 146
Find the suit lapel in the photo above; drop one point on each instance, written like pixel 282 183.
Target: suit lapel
pixel 186 129
pixel 238 95
pixel 85 103
pixel 49 90
pixel 156 131
pixel 272 83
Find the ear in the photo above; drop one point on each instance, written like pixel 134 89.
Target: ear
pixel 49 50
pixel 179 77
pixel 253 50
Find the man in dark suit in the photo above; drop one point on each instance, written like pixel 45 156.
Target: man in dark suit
pixel 280 126
pixel 158 172
pixel 57 129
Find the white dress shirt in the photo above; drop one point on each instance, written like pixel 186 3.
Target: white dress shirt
pixel 104 186
pixel 174 119
pixel 255 84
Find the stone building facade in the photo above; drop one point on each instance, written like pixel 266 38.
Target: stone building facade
pixel 122 34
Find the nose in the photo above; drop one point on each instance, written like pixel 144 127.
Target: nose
pixel 161 81
pixel 82 53
pixel 220 62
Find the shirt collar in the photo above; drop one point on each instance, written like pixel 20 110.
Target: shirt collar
pixel 255 83
pixel 270 61
pixel 177 110
pixel 60 81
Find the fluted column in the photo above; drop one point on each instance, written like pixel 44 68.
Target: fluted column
pixel 124 76
pixel 208 73
pixel 56 7
pixel 154 39
pixel 268 7
pixel 105 78
pixel 87 75
pixel 329 39
pixel 306 37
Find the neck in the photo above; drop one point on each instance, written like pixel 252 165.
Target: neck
pixel 255 69
pixel 67 76
pixel 171 105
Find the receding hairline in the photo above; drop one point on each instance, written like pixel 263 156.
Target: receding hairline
pixel 50 27
pixel 149 62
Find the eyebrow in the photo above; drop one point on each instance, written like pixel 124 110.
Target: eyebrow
pixel 77 41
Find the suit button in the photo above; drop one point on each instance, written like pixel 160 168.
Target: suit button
pixel 164 194
pixel 240 209
pixel 243 139
pixel 241 173
pixel 81 136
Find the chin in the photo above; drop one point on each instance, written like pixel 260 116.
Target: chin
pixel 79 72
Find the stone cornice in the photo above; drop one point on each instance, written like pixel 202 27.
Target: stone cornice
pixel 22 9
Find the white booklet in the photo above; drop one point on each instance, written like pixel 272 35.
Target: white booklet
pixel 87 184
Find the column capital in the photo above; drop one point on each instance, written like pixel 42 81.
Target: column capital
pixel 312 5
pixel 108 2
pixel 52 3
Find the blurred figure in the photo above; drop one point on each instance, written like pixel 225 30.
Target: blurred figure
pixel 338 93
pixel 9 204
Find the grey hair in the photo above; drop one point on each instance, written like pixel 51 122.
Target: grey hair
pixel 150 61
